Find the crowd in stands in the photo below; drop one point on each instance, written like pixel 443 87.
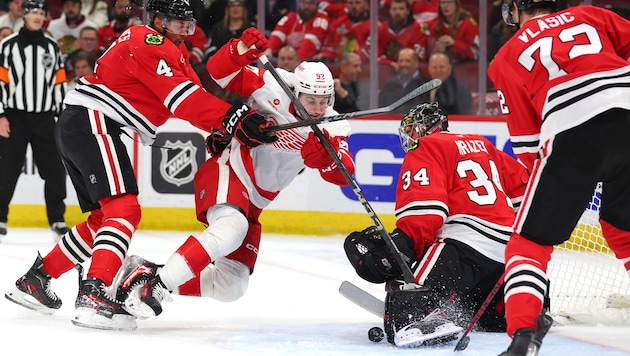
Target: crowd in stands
pixel 312 30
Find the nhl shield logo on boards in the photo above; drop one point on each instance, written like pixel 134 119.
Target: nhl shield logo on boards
pixel 178 164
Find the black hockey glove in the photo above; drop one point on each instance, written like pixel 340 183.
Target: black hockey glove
pixel 247 126
pixel 372 258
pixel 217 141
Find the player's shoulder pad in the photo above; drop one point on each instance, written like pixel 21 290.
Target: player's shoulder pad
pixel 153 39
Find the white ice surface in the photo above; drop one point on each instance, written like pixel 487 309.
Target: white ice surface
pixel 292 307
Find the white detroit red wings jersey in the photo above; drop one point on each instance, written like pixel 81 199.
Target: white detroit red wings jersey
pixel 560 70
pixel 459 187
pixel 267 169
pixel 144 79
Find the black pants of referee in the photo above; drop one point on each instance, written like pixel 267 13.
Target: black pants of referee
pixel 36 129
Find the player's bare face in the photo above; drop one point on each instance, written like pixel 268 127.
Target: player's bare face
pixel 34 19
pixel 315 105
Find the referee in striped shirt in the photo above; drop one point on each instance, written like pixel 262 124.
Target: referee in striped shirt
pixel 32 87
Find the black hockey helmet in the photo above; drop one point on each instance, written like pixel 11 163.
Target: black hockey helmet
pixel 421 120
pixel 34 4
pixel 521 5
pixel 172 9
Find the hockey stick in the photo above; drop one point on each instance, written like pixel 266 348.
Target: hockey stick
pixel 407 274
pixel 462 344
pixel 424 88
pixel 362 298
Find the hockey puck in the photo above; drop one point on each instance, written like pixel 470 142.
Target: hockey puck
pixel 376 334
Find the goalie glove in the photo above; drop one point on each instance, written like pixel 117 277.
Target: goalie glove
pixel 372 258
pixel 247 126
pixel 217 141
pixel 248 48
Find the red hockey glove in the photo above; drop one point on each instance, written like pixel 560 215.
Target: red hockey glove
pixel 248 48
pixel 217 141
pixel 315 154
pixel 247 126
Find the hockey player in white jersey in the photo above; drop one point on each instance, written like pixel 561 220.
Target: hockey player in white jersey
pixel 237 182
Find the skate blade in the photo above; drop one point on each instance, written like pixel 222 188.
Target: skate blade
pixel 134 306
pixel 88 318
pixel 414 338
pixel 27 301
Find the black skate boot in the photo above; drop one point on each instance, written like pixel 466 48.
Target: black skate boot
pixel 33 290
pixel 133 274
pixel 527 342
pixel 98 310
pixel 59 229
pixel 146 301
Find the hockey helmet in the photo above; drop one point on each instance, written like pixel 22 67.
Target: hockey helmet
pixel 314 78
pixel 27 5
pixel 421 120
pixel 506 8
pixel 172 10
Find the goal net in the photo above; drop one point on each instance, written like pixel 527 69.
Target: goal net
pixel 585 276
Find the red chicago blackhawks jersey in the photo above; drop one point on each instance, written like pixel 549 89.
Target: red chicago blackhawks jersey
pixel 267 169
pixel 466 45
pixel 409 37
pixel 459 187
pixel 144 79
pixel 306 37
pixel 347 36
pixel 559 71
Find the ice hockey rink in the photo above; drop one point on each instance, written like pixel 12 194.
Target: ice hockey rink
pixel 292 307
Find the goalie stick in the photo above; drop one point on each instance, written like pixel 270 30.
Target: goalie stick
pixel 362 298
pixel 407 274
pixel 424 88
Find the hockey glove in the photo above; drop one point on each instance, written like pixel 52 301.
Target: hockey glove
pixel 372 259
pixel 247 126
pixel 217 141
pixel 248 48
pixel 315 155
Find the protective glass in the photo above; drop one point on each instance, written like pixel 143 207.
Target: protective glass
pixel 180 27
pixel 506 12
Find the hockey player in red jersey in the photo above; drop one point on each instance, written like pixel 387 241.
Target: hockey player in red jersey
pixel 141 80
pixel 455 204
pixel 564 82
pixel 237 183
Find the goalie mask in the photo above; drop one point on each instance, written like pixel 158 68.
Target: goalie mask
pixel 421 120
pixel 521 5
pixel 314 78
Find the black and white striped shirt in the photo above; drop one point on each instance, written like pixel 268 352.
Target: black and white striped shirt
pixel 32 76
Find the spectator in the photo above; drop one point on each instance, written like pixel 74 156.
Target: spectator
pixel 406 79
pixel 335 9
pixel 83 63
pixel 235 21
pixel 305 30
pixel 30 97
pixel 423 11
pixel 5 32
pixel 402 29
pixel 287 58
pixel 455 31
pixel 122 13
pixel 349 33
pixel 13 18
pixel 196 43
pixel 499 34
pixel 66 29
pixel 87 41
pixel 453 95
pixel 96 11
pixel 351 94
pixel 274 11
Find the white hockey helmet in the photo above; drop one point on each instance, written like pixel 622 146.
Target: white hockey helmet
pixel 314 78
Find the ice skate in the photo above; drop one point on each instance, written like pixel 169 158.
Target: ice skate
pixel 146 300
pixel 33 291
pixel 59 229
pixel 527 342
pixel 432 330
pixel 97 309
